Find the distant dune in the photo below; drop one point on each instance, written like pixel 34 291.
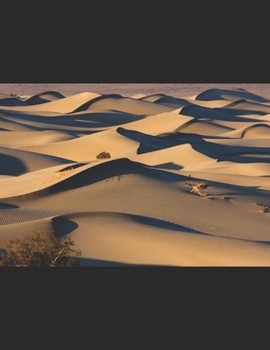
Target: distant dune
pixel 186 183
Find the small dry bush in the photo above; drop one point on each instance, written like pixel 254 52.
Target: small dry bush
pixel 103 155
pixel 41 249
pixel 197 188
pixel 265 208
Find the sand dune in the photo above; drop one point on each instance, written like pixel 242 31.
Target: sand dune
pixel 160 123
pixel 47 96
pixel 62 105
pixel 230 95
pixel 187 182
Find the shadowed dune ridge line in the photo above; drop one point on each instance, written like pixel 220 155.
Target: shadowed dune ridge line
pixel 186 181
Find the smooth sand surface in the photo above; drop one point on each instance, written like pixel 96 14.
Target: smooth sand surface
pixel 187 183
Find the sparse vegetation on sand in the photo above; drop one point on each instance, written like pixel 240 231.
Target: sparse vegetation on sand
pixel 103 155
pixel 57 175
pixel 40 249
pixel 197 188
pixel 265 208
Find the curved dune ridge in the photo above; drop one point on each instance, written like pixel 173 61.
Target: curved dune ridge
pixel 186 180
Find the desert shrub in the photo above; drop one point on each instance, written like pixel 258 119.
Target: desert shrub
pixel 103 155
pixel 41 249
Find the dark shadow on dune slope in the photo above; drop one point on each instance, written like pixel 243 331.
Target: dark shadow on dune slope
pixel 236 112
pixel 71 167
pixel 219 151
pixel 85 120
pixel 237 154
pixel 17 123
pixel 107 116
pixel 181 229
pixel 36 100
pixel 169 166
pixel 50 121
pixel 162 224
pixel 44 97
pixel 10 165
pixel 148 143
pixel 87 104
pixel 181 138
pixel 246 107
pixel 165 225
pixel 107 170
pixel 124 104
pixel 11 102
pixel 221 94
pixel 151 97
pixel 86 262
pixel 172 102
pixel 13 165
pixel 228 114
pixel 99 172
pixel 4 206
pixel 63 226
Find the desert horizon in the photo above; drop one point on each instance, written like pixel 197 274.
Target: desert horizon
pixel 160 177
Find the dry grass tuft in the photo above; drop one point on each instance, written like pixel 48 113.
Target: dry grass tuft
pixel 57 175
pixel 265 208
pixel 197 188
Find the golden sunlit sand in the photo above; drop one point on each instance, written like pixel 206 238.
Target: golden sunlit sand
pixel 186 181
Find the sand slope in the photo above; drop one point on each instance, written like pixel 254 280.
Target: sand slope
pixel 187 182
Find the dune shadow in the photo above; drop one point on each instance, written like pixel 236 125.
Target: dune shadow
pixel 162 224
pixel 249 106
pixel 105 170
pixel 183 229
pixel 235 154
pixel 4 206
pixel 223 94
pixel 226 114
pixel 12 102
pixel 148 143
pixel 240 111
pixel 82 119
pixel 219 151
pixel 44 97
pixel 172 101
pixel 144 148
pixel 36 100
pixel 87 262
pixel 11 165
pixel 100 172
pixel 63 226
pixel 169 166
pixel 85 106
